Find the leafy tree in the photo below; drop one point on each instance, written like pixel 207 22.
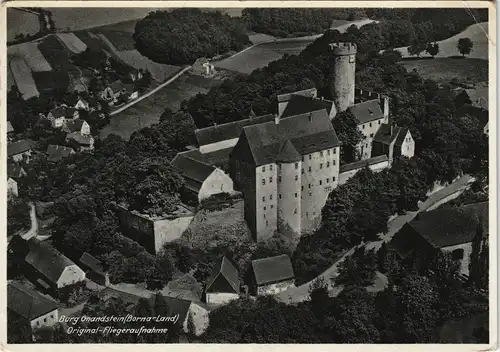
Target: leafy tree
pixel 432 49
pixel 464 46
pixel 479 259
pixel 18 329
pixel 357 269
pixel 18 215
pixel 346 127
pixel 416 48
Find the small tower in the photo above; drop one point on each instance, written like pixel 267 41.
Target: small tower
pixel 343 74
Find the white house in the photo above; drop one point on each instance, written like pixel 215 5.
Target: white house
pixel 77 126
pixel 272 275
pixel 223 285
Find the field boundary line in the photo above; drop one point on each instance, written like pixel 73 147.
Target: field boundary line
pixel 142 97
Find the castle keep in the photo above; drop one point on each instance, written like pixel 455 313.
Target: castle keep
pixel 287 164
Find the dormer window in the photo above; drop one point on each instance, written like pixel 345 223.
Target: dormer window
pixel 370 111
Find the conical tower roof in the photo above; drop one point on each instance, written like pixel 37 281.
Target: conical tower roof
pixel 288 153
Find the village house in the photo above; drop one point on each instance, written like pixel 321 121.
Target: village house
pixel 272 275
pixel 393 141
pixel 223 285
pixel 80 142
pixel 10 131
pixel 20 151
pixel 94 269
pixel 113 91
pixel 77 126
pixel 59 115
pixel 202 66
pixel 32 307
pixel 56 153
pixel 12 187
pixel 130 92
pixel 51 269
pixel 82 104
pixel 446 229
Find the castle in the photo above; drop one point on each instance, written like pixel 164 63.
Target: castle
pixel 287 164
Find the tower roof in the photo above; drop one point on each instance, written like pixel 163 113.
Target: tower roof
pixel 288 153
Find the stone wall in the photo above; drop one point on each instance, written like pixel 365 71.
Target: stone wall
pixel 274 289
pixel 346 175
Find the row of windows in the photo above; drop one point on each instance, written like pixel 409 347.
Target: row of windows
pixel 270 180
pixel 321 153
pixel 363 126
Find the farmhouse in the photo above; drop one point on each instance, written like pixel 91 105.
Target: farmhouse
pixel 203 67
pixel 272 275
pixel 94 269
pixel 393 141
pixel 449 229
pixel 58 152
pixel 52 269
pixel 61 114
pixel 82 104
pixel 30 306
pixel 20 151
pixel 113 91
pixel 224 283
pixel 77 126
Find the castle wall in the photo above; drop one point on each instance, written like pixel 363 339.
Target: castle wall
pixel 345 176
pixel 289 204
pixel 266 201
pixel 320 175
pixel 343 74
pixel 217 182
pixel 168 230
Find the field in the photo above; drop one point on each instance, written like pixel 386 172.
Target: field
pixel 23 78
pixel 444 70
pixel 31 54
pixel 148 111
pixel 159 72
pixel 478 33
pixel 21 22
pixel 72 42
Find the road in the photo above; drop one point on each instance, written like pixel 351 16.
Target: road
pixel 301 293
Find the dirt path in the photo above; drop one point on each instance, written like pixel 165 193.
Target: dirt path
pixel 301 293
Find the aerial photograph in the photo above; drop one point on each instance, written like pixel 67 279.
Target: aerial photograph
pixel 248 175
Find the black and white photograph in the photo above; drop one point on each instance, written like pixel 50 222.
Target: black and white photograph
pixel 249 174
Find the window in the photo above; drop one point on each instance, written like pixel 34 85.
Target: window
pixel 371 135
pixel 271 179
pixel 310 194
pixel 309 169
pixel 52 316
pixel 457 254
pixel 279 167
pixel 272 206
pixel 263 169
pixel 271 167
pixel 328 152
pixel 295 195
pixel 295 211
pixel 379 122
pixel 302 170
pixel 264 199
pixel 44 320
pixel 302 188
pixel 321 165
pixel 296 177
pixel 327 180
pixel 363 126
pixel 279 179
pixel 267 223
pixel 296 166
pixel 334 162
pixel 334 151
pixel 38 323
pixel 263 181
pixel 310 156
pixel 333 179
pixel 320 182
pixel 307 213
pixel 370 124
pixel 327 164
pixel 280 196
pixel 328 189
pixel 270 197
pixel 309 185
pixel 321 153
pixel 265 208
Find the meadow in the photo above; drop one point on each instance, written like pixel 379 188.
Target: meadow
pixel 445 69
pixel 21 22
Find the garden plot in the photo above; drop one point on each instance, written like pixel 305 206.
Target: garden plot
pixel 72 42
pixel 23 78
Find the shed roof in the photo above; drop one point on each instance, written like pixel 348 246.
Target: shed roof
pixel 27 303
pixel 273 269
pixel 367 111
pixel 225 268
pixel 309 93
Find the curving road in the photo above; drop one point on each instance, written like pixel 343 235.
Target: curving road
pixel 453 190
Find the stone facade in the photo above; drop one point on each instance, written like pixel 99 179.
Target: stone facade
pixel 275 288
pixel 343 74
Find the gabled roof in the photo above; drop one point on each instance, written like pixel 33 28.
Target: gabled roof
pixel 367 111
pixel 77 137
pixel 273 269
pixel 362 163
pixel 15 171
pixel 193 171
pixel 299 104
pixel 47 260
pixel 9 127
pixel 216 158
pixel 401 136
pixel 308 133
pixel 75 125
pixel 384 134
pixel 227 131
pixel 58 152
pixel 288 153
pixel 450 226
pixel 27 303
pixel 92 263
pixel 225 268
pixel 19 147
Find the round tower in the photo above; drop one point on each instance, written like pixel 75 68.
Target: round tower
pixel 343 74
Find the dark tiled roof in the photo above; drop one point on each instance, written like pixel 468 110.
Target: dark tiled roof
pixel 216 158
pixel 450 226
pixel 299 104
pixel 47 260
pixel 310 93
pixel 58 112
pixel 28 303
pixel 74 125
pixel 15 171
pixel 58 152
pixel 192 170
pixel 92 263
pixel 362 163
pixel 288 153
pixel 308 133
pixel 19 147
pixel 384 135
pixel 116 86
pixel 77 137
pixel 228 271
pixel 367 111
pixel 481 114
pixel 273 269
pixel 401 136
pixel 226 131
pixel 9 127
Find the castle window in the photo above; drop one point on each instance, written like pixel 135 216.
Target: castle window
pixel 279 179
pixel 370 124
pixel 307 213
pixel 334 162
pixel 320 182
pixel 303 158
pixel 301 188
pixel 327 180
pixel 270 197
pixel 321 153
pixel 309 169
pixel 271 179
pixel 310 156
pixel 295 195
pixel 371 135
pixel 265 208
pixel 310 194
pixel 263 169
pixel 457 254
pixel 44 320
pixel 280 195
pixel 296 166
pixel 272 206
pixel 321 165
pixel 327 164
pixel 267 223
pixel 271 167
pixel 279 167
pixel 302 170
pixel 328 152
pixel 295 211
pixel 264 199
pixel 333 179
pixel 263 181
pixel 363 126
pixel 296 177
pixel 309 185
pixel 334 151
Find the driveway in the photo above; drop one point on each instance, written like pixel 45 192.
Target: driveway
pixel 453 190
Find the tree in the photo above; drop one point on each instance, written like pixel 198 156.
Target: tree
pixel 346 127
pixel 464 46
pixel 18 329
pixel 432 49
pixel 357 269
pixel 479 259
pixel 18 215
pixel 416 48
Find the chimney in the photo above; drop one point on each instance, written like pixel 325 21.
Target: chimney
pixel 386 108
pixel 276 119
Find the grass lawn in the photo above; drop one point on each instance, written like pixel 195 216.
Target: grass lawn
pixel 444 70
pixel 148 111
pixel 21 22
